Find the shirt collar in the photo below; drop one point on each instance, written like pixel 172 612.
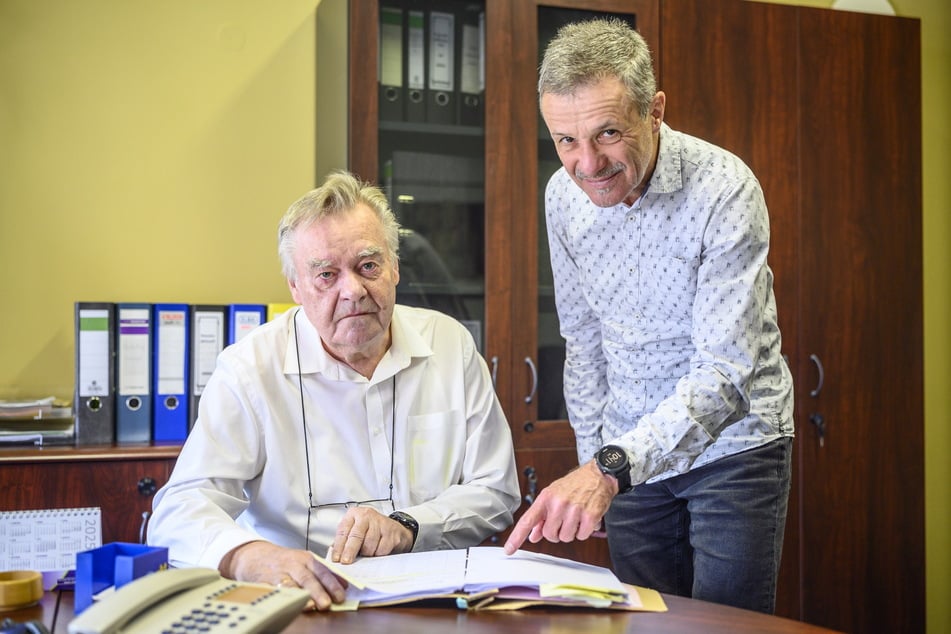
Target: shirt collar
pixel 405 345
pixel 668 172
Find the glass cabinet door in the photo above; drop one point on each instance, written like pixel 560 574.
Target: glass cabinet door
pixel 431 151
pixel 551 348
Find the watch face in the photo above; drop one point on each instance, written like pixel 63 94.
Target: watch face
pixel 612 457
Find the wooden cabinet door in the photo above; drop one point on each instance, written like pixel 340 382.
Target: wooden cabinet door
pixel 534 364
pixel 730 77
pixel 122 489
pixel 862 481
pixel 825 107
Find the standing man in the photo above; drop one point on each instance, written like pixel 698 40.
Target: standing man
pixel 350 423
pixel 675 384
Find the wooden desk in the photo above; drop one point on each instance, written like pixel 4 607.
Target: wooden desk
pixel 683 616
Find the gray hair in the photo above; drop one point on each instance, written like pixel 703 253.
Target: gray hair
pixel 583 53
pixel 341 192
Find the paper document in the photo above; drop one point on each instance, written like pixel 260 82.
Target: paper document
pixel 476 575
pixel 403 577
pixel 490 567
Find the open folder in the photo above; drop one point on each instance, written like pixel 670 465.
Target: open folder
pixel 486 578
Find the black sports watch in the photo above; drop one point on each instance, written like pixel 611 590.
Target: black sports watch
pixel 612 460
pixel 406 520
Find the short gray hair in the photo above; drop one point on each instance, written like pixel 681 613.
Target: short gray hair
pixel 583 53
pixel 341 192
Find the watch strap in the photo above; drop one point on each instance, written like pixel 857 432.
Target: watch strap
pixel 407 521
pixel 620 471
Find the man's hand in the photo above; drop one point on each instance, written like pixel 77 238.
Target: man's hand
pixel 569 508
pixel 264 562
pixel 364 531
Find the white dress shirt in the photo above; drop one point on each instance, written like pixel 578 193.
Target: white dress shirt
pixel 667 309
pixel 242 473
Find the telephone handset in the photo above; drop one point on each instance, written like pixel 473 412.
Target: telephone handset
pixel 191 599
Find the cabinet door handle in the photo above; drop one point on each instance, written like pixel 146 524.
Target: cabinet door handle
pixel 495 371
pixel 531 366
pixel 822 376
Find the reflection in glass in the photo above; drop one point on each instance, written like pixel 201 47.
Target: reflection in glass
pixel 432 153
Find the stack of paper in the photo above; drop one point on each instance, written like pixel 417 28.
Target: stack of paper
pixel 36 422
pixel 487 578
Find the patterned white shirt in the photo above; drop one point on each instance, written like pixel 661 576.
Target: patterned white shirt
pixel 668 314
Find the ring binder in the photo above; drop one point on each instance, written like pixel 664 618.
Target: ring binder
pixel 95 373
pixel 415 60
pixel 440 108
pixel 391 64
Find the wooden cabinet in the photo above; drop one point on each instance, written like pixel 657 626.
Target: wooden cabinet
pixel 120 481
pixel 825 107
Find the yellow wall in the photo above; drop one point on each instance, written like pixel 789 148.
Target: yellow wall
pixel 148 148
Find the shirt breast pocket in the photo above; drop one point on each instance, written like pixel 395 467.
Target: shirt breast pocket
pixel 436 444
pixel 670 286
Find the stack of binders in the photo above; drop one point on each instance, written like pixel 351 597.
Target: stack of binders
pixel 432 62
pixel 141 367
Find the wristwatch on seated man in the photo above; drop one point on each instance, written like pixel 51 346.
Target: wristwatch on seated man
pixel 408 521
pixel 613 461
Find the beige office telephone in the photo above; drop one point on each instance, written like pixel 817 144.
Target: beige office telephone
pixel 190 600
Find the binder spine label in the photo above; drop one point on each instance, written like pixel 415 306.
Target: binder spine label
pixel 94 353
pixel 470 79
pixel 133 352
pixel 171 371
pixel 416 52
pixel 441 61
pixel 209 335
pixel 245 322
pixel 391 47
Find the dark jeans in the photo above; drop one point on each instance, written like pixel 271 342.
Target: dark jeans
pixel 714 533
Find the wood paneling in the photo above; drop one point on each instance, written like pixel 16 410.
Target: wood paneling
pixel 75 478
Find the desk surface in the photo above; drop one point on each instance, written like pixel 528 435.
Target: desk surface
pixel 683 616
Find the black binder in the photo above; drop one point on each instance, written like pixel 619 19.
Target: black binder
pixel 209 336
pixel 441 66
pixel 94 398
pixel 391 65
pixel 415 38
pixel 471 64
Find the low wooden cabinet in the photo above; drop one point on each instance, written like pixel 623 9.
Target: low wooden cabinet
pixel 121 481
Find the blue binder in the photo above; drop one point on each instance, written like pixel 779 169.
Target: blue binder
pixel 170 352
pixel 243 318
pixel 133 373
